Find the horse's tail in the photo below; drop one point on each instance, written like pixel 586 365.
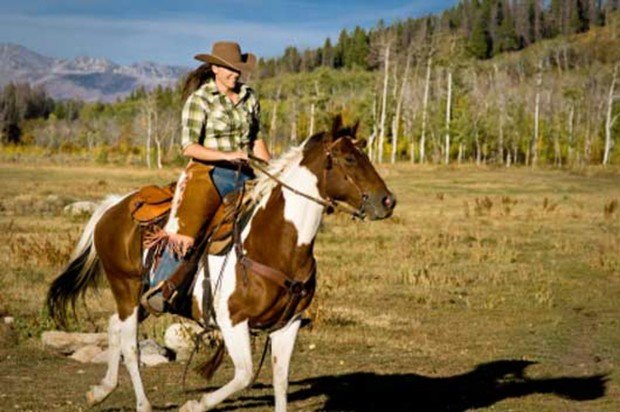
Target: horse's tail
pixel 82 272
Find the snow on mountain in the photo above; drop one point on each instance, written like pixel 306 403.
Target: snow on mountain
pixel 84 64
pixel 84 78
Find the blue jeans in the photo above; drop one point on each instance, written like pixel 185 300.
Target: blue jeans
pixel 226 180
pixel 168 263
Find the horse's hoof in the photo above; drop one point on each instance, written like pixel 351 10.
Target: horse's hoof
pixel 145 407
pixel 97 394
pixel 191 406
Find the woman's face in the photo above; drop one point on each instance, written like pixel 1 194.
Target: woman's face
pixel 226 77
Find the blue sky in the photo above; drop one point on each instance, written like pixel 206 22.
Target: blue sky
pixel 171 32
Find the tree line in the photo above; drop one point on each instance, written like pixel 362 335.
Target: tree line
pixel 555 102
pixel 19 102
pixel 489 27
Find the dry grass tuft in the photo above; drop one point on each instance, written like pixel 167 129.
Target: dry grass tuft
pixel 548 206
pixel 483 206
pixel 610 208
pixel 42 249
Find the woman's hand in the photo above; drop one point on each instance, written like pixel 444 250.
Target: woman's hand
pixel 237 157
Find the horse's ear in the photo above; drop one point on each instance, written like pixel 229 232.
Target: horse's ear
pixel 354 129
pixel 336 125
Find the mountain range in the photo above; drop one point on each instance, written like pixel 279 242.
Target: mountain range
pixel 83 78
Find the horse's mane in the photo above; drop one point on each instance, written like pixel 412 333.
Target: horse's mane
pixel 277 167
pixel 292 157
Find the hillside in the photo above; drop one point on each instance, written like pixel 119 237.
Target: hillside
pixel 492 102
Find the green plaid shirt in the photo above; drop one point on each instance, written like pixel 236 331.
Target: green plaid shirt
pixel 211 119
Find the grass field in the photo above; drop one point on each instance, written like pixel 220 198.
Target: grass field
pixel 489 288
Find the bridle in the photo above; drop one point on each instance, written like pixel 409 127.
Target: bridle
pixel 330 203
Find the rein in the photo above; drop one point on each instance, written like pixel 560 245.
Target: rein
pixel 330 203
pixel 295 289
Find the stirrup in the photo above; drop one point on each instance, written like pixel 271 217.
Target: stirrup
pixel 153 300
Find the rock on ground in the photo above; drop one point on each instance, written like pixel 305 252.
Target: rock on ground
pixel 86 353
pixel 102 357
pixel 152 359
pixel 179 338
pixel 150 347
pixel 67 343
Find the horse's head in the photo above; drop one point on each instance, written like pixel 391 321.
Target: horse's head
pixel 346 174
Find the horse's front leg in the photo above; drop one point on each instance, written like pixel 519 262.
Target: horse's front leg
pixel 282 345
pixel 237 341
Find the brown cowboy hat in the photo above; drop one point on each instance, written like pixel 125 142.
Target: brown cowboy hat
pixel 228 54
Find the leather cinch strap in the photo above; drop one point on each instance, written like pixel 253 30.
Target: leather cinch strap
pixel 293 286
pixel 296 289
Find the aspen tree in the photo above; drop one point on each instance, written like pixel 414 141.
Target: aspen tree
pixel 313 103
pixel 534 143
pixel 571 133
pixel 149 117
pixel 399 104
pixel 274 119
pixel 427 83
pixel 386 63
pixel 609 121
pixel 373 135
pixel 500 94
pixel 448 107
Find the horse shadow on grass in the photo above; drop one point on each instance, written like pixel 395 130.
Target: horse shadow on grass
pixel 483 386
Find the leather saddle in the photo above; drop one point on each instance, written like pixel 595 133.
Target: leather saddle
pixel 150 207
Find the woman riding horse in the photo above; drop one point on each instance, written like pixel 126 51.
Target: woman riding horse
pixel 265 282
pixel 221 121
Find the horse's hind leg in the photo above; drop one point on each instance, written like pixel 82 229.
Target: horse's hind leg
pixel 118 244
pixel 237 340
pixel 126 291
pixel 129 349
pixel 98 393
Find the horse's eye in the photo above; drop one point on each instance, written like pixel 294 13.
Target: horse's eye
pixel 350 159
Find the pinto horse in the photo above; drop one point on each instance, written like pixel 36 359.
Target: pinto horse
pixel 266 285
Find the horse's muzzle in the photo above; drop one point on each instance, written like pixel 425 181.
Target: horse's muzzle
pixel 380 205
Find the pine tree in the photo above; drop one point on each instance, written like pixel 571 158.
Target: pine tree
pixel 479 44
pixel 356 54
pixel 341 47
pixel 506 35
pixel 328 54
pixel 578 20
pixel 292 60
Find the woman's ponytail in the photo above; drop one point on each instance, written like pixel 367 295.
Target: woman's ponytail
pixel 195 79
